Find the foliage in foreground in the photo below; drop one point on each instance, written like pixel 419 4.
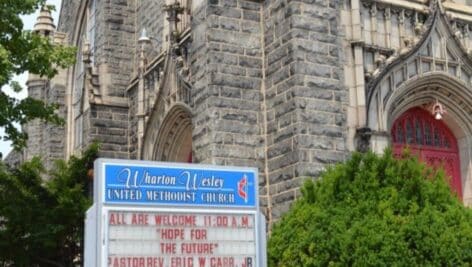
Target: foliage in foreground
pixel 41 222
pixel 23 51
pixel 375 211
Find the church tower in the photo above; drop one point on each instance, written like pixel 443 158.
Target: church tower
pixel 45 139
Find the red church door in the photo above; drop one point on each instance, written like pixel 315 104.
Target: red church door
pixel 431 140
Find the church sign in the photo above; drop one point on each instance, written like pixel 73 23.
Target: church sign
pixel 160 214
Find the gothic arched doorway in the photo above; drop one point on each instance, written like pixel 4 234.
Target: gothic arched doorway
pixel 174 142
pixel 431 140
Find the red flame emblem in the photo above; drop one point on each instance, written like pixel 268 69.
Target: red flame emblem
pixel 242 188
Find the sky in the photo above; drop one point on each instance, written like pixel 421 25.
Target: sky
pixel 28 21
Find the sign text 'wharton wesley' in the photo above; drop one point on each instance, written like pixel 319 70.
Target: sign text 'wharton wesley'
pixel 179 186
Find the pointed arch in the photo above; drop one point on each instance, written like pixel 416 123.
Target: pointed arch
pixel 174 141
pixel 168 131
pixel 78 100
pixel 438 52
pixel 436 67
pixel 420 92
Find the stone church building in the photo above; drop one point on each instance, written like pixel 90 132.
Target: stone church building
pixel 287 86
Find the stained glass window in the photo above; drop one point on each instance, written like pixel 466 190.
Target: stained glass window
pixel 420 128
pixel 409 132
pixel 447 143
pixel 427 134
pixel 418 133
pixel 437 139
pixel 399 135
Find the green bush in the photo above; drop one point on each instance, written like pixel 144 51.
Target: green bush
pixel 42 214
pixel 375 211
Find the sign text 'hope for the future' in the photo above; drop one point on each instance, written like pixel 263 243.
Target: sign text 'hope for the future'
pixel 156 239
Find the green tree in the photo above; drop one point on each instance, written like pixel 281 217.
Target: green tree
pixel 22 51
pixel 42 220
pixel 375 211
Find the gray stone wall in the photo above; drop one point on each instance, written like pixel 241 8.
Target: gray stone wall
pixel 151 16
pixel 305 96
pixel 53 135
pixel 266 90
pixel 115 45
pixel 34 128
pixel 226 61
pixel 108 125
pixel 68 16
pixel 133 122
pixel 45 140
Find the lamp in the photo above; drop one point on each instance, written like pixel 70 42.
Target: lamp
pixel 438 110
pixel 144 39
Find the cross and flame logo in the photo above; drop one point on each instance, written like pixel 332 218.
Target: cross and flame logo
pixel 242 188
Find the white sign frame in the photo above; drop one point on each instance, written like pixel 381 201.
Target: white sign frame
pixel 96 230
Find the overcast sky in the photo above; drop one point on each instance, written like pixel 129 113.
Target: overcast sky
pixel 28 21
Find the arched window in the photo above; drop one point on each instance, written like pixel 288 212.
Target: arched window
pixel 79 98
pixel 78 90
pixel 431 140
pixel 419 129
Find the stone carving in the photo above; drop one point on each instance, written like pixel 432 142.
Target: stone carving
pixel 363 136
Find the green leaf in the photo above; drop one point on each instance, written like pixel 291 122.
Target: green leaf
pixel 24 51
pixel 41 223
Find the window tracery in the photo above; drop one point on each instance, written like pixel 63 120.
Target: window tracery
pixel 421 130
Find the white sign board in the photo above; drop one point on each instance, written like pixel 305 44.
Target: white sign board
pixel 174 215
pixel 181 239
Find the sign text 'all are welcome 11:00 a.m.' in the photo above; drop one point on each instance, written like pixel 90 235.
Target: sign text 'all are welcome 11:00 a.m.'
pixel 174 215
